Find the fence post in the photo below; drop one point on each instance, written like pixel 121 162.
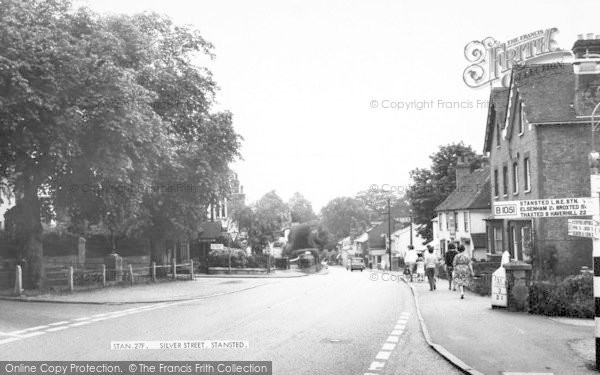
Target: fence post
pixel 71 279
pixel 191 269
pixel 18 281
pixel 104 275
pixel 131 274
pixel 174 268
pixel 153 271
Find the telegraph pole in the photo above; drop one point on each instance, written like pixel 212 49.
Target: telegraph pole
pixel 411 225
pixel 390 231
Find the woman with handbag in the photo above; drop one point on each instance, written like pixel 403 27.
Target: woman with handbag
pixel 463 270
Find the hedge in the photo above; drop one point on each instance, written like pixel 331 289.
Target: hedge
pixel 572 297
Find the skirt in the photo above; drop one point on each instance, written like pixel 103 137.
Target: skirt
pixel 462 275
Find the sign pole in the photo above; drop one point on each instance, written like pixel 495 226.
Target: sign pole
pixel 595 178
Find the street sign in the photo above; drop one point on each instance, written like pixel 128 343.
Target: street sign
pixel 556 207
pixel 583 228
pixel 403 220
pixel 216 246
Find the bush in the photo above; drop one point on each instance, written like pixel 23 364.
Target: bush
pixel 572 297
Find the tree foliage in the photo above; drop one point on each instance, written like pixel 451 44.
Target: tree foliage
pixel 432 185
pixel 263 221
pixel 345 216
pixel 109 119
pixel 301 209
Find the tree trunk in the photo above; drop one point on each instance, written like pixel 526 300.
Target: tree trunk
pixel 30 236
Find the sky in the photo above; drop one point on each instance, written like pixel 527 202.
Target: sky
pixel 311 83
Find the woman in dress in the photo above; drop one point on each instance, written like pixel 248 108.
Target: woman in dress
pixel 463 270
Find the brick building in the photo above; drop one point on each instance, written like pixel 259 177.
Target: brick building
pixel 538 137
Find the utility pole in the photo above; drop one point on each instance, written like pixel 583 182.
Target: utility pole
pixel 390 231
pixel 411 225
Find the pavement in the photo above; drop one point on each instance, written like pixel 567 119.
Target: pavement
pixel 202 286
pixel 496 341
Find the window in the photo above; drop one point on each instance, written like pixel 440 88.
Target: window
pixel 526 242
pixel 497 239
pixel 521 118
pixel 440 221
pixel 496 192
pixel 455 229
pixel 497 135
pixel 447 222
pixel 505 180
pixel 466 220
pixel 515 178
pixel 515 243
pixel 527 175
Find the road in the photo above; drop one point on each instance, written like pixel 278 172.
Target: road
pixel 339 323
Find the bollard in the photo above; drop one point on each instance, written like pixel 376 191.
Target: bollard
pixel 174 269
pixel 153 271
pixel 191 269
pixel 18 281
pixel 131 274
pixel 71 279
pixel 104 275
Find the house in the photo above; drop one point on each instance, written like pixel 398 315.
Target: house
pixel 538 137
pixel 222 209
pixel 345 248
pixel 461 216
pixel 401 239
pixel 361 245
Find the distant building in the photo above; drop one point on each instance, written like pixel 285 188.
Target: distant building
pixel 221 210
pixel 461 216
pixel 401 240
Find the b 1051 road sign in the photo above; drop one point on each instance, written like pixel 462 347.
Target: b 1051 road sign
pixel 555 207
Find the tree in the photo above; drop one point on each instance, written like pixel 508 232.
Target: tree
pixel 300 209
pixel 102 115
pixel 377 203
pixel 345 216
pixel 431 186
pixel 263 221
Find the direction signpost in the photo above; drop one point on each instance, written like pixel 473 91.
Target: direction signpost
pixel 555 207
pixel 584 228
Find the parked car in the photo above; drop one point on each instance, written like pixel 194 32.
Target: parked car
pixel 357 264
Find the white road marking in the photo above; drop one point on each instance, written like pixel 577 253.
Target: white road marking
pixel 58 323
pixel 81 319
pixel 388 346
pixel 393 339
pixel 376 366
pixel 527 373
pixel 6 341
pixel 383 355
pixel 397 332
pixel 79 324
pixel 400 326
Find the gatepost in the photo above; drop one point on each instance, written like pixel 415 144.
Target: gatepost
pixel 518 280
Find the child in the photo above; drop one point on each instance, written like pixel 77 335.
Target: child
pixel 420 268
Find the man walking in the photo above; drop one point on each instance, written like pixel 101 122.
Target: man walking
pixel 431 262
pixel 449 258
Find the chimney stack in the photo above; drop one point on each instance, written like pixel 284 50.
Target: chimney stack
pixel 463 169
pixel 586 67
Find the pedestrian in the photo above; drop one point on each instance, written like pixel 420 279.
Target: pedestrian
pixel 410 259
pixel 463 270
pixel 448 259
pixel 431 262
pixel 420 268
